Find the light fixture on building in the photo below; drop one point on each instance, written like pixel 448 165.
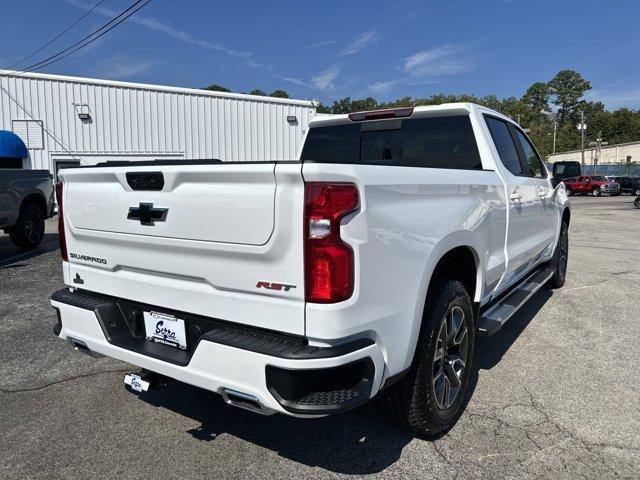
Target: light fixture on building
pixel 292 119
pixel 83 111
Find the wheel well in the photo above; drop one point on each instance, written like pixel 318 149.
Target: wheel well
pixel 566 216
pixel 457 264
pixel 37 200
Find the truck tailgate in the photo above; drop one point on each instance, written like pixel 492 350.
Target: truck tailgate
pixel 206 242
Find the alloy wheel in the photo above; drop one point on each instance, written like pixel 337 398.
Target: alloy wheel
pixel 563 253
pixel 450 358
pixel 33 225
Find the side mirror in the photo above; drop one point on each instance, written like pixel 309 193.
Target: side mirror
pixel 588 180
pixel 555 181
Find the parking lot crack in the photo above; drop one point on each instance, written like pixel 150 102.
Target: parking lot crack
pixel 51 384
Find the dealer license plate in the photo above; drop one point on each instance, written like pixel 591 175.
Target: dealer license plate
pixel 164 328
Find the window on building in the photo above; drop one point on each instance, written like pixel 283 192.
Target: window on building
pixel 31 133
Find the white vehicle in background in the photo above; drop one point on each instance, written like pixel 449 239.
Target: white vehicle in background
pixel 306 288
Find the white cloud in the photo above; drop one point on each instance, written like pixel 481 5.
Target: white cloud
pixel 424 67
pixel 324 43
pixel 359 43
pixel 123 66
pixel 616 98
pixel 383 87
pixel 447 59
pixel 324 80
pixel 294 80
pixel 157 25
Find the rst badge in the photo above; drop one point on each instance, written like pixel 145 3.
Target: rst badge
pixel 275 286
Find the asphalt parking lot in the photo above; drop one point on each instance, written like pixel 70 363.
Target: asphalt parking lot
pixel 556 393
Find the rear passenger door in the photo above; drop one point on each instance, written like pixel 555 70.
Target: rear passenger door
pixel 534 167
pixel 524 241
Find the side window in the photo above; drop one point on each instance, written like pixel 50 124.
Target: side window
pixel 532 161
pixel 504 144
pixel 334 143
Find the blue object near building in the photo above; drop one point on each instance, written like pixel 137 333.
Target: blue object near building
pixel 12 146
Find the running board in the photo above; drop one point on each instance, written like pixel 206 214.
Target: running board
pixel 497 315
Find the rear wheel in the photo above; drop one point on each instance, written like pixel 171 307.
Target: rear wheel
pixel 636 202
pixel 596 192
pixel 560 258
pixel 429 398
pixel 637 192
pixel 28 231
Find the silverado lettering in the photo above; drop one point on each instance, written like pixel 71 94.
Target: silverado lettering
pixel 86 258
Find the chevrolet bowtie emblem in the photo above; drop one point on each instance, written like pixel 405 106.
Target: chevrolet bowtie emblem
pixel 147 214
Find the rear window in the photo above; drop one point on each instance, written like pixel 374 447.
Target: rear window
pixel 10 162
pixel 432 142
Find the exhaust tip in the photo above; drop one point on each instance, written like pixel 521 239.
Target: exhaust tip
pixel 80 346
pixel 244 401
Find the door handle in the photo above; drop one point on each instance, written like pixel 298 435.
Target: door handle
pixel 515 196
pixel 542 193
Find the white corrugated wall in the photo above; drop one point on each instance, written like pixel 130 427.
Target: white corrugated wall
pixel 132 120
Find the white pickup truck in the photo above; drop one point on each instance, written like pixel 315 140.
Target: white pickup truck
pixel 309 287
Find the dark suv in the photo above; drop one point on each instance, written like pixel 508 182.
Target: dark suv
pixel 628 184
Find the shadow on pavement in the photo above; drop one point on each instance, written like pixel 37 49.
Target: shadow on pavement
pixel 11 256
pixel 360 442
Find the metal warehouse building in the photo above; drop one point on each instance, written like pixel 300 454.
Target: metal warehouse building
pixel 610 154
pixel 84 121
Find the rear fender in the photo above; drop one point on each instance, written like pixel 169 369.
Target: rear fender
pixel 463 238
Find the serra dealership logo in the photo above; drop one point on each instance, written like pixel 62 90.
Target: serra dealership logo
pixel 86 258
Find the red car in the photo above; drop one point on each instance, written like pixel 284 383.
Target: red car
pixel 594 184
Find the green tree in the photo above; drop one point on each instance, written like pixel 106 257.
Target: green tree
pixel 536 98
pixel 279 94
pixel 217 88
pixel 257 91
pixel 347 105
pixel 568 87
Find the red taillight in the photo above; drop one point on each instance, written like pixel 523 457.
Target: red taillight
pixel 380 114
pixel 63 240
pixel 328 260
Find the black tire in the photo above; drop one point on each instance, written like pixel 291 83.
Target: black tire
pixel 28 231
pixel 596 192
pixel 637 192
pixel 636 202
pixel 413 401
pixel 560 258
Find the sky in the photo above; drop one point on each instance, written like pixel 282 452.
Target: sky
pixel 332 49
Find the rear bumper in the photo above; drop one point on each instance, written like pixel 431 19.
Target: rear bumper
pixel 284 374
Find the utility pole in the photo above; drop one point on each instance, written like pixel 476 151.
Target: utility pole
pixel 598 144
pixel 582 127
